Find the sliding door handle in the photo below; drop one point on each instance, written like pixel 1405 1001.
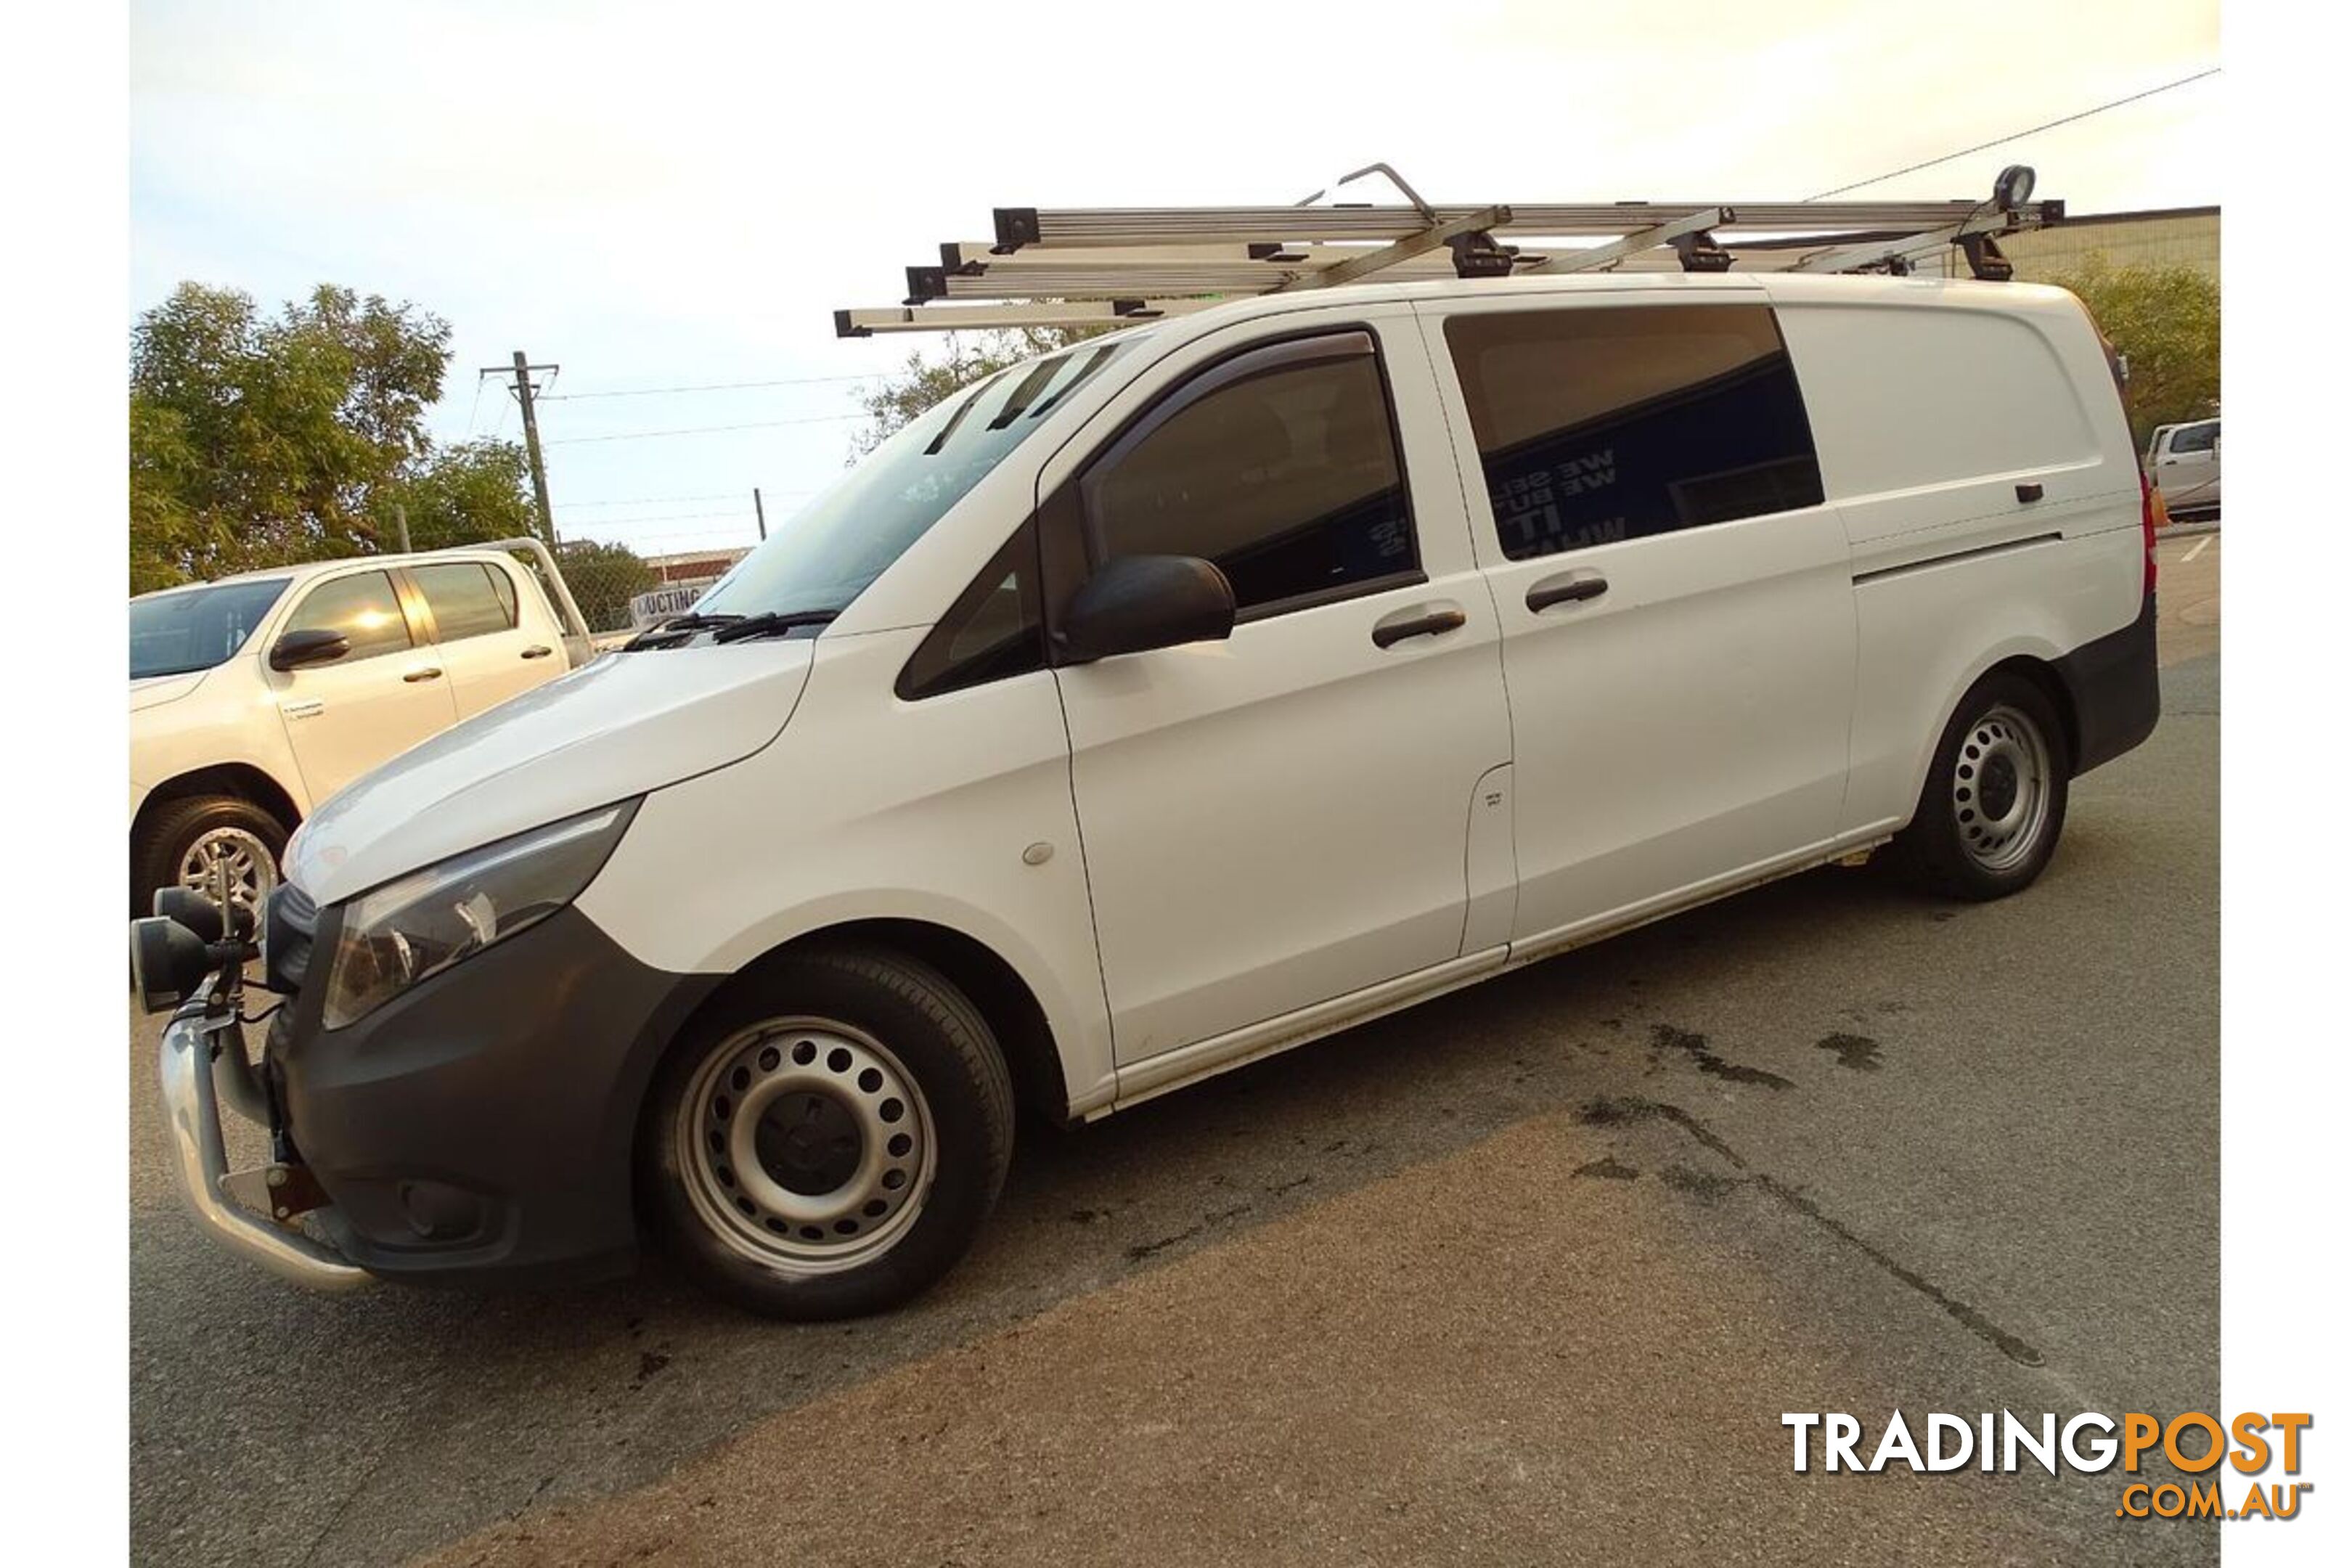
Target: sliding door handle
pixel 1570 588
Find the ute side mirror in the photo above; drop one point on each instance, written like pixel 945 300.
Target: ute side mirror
pixel 300 650
pixel 1135 603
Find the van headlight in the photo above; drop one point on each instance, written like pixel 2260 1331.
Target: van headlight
pixel 428 920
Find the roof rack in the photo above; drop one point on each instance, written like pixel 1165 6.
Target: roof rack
pixel 1071 267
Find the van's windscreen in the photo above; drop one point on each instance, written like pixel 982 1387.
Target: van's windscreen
pixel 824 557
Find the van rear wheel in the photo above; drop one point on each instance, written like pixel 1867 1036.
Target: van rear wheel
pixel 1995 801
pixel 827 1141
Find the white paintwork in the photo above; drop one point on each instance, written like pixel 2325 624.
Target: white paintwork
pixel 1265 828
pixel 607 731
pixel 1253 843
pixel 311 731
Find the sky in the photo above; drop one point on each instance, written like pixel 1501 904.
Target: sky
pixel 672 195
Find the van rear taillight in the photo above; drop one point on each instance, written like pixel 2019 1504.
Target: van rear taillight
pixel 2147 534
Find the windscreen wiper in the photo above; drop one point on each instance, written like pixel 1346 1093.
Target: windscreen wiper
pixel 771 622
pixel 677 627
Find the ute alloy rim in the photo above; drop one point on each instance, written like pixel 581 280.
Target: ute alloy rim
pixel 252 870
pixel 809 1148
pixel 2000 789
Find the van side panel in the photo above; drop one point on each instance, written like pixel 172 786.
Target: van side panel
pixel 954 810
pixel 1972 439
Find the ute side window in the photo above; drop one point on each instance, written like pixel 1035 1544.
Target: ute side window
pixel 363 607
pixel 2196 437
pixel 1280 465
pixel 468 599
pixel 993 631
pixel 1601 424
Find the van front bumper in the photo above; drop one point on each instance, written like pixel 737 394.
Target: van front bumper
pixel 479 1128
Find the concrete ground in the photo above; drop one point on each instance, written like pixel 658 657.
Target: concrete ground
pixel 1529 1273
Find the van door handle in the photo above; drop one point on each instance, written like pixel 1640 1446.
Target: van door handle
pixel 1573 587
pixel 414 675
pixel 536 650
pixel 1435 621
pixel 2028 493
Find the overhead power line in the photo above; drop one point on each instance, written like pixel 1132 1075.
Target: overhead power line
pixel 2017 135
pixel 705 429
pixel 648 501
pixel 715 386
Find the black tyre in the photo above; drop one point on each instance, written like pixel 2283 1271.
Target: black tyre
pixel 1995 800
pixel 827 1139
pixel 185 843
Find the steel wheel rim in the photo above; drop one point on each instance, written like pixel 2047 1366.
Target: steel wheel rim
pixel 2000 789
pixel 252 870
pixel 764 1122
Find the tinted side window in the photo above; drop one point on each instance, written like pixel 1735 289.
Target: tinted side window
pixel 2195 438
pixel 468 599
pixel 1605 424
pixel 1288 480
pixel 995 629
pixel 361 607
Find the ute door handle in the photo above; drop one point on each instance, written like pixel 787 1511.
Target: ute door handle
pixel 1573 587
pixel 428 673
pixel 1422 621
pixel 536 650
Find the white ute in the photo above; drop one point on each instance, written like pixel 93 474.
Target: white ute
pixel 1170 700
pixel 255 697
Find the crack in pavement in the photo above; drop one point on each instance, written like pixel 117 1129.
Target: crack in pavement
pixel 1628 1110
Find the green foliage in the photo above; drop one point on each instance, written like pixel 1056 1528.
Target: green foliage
pixel 923 382
pixel 2166 323
pixel 602 579
pixel 259 440
pixel 461 494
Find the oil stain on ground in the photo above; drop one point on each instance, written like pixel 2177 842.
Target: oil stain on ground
pixel 1664 1038
pixel 1856 1051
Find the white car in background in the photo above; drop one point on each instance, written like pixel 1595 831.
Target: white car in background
pixel 255 696
pixel 2184 464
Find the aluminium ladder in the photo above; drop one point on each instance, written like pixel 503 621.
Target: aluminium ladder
pixel 1067 266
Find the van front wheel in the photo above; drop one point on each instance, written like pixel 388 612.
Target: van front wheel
pixel 1995 800
pixel 829 1138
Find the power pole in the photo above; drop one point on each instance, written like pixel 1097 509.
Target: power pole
pixel 525 393
pixel 761 512
pixel 400 520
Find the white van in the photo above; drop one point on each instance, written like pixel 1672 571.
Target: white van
pixel 1172 701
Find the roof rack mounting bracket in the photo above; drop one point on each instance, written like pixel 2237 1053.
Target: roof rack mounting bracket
pixel 1460 234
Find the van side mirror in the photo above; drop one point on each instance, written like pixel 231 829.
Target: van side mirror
pixel 299 650
pixel 1135 603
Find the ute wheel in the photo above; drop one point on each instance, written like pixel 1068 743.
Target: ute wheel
pixel 1995 800
pixel 185 843
pixel 825 1141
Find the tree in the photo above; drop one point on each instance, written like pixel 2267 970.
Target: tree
pixel 257 441
pixel 604 578
pixel 462 494
pixel 2166 323
pixel 921 383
